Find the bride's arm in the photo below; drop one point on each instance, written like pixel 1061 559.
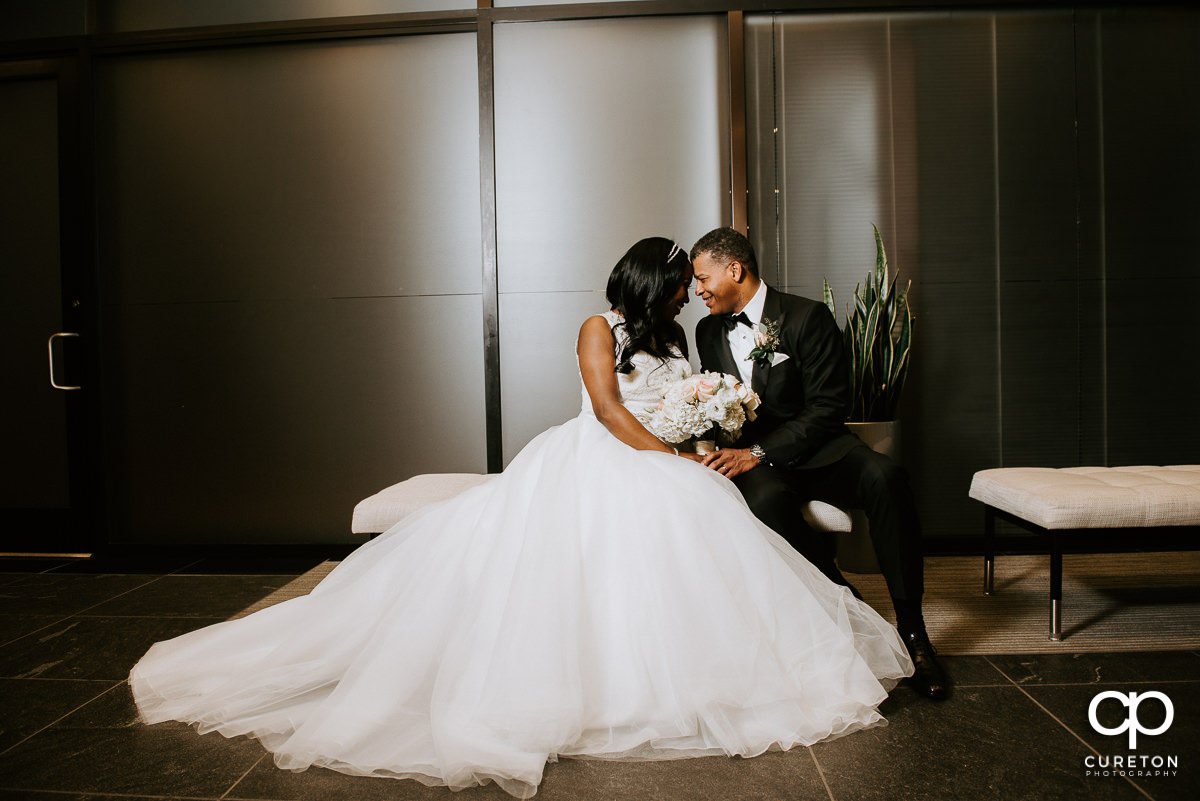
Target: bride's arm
pixel 597 365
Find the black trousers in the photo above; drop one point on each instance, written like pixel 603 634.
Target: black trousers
pixel 862 479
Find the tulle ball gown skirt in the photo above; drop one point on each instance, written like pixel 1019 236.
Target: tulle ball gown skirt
pixel 591 601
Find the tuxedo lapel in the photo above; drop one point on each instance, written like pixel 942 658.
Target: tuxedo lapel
pixel 728 363
pixel 716 344
pixel 760 375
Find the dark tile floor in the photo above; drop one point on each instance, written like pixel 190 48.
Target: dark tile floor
pixel 1016 728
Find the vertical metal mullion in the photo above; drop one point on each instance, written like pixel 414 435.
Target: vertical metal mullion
pixel 493 421
pixel 999 275
pixel 776 129
pixel 737 120
pixel 1102 227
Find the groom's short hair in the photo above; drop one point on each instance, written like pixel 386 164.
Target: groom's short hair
pixel 726 244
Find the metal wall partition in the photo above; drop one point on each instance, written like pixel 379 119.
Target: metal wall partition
pixel 299 230
pixel 987 148
pixel 115 16
pixel 304 224
pixel 290 244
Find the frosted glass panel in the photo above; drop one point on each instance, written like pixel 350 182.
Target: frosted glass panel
pixel 514 3
pixel 140 15
pixel 540 371
pixel 537 360
pixel 834 140
pixel 606 132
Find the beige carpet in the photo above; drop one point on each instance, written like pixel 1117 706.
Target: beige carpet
pixel 1111 602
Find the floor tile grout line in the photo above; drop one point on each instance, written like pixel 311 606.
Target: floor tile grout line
pixel 241 778
pixel 1072 732
pixel 821 773
pixel 1016 683
pixel 119 595
pixel 1105 683
pixel 80 613
pixel 197 618
pixel 288 576
pixel 109 794
pixel 185 567
pixel 57 678
pixel 1060 722
pixel 999 669
pixel 26 739
pixel 35 631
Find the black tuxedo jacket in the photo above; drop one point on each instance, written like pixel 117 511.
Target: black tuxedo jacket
pixel 805 399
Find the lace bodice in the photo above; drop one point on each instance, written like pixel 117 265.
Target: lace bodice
pixel 641 388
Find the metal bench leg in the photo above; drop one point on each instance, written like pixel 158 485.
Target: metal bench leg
pixel 1055 589
pixel 989 551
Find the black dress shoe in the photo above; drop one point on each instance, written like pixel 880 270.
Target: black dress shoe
pixel 928 678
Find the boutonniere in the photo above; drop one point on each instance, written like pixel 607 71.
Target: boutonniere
pixel 766 342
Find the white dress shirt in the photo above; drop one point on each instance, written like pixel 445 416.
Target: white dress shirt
pixel 741 338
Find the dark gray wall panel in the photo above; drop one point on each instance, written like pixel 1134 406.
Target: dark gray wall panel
pixel 324 170
pixel 141 15
pixel 1041 395
pixel 952 401
pixel 1150 64
pixel 20 19
pixel 1051 263
pixel 268 421
pixel 290 250
pixel 1153 417
pixel 1150 75
pixel 945 123
pixel 1035 122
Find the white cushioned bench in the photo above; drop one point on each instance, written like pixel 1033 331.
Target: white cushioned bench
pixel 387 507
pixel 1073 501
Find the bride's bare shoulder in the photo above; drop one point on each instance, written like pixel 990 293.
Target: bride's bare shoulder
pixel 596 326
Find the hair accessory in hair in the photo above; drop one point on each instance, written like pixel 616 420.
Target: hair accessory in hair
pixel 674 250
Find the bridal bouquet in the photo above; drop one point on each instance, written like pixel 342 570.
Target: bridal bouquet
pixel 701 406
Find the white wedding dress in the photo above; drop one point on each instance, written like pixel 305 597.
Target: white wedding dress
pixel 592 601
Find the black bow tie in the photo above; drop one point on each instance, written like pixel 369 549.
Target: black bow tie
pixel 731 321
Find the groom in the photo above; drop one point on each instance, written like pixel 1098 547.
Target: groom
pixel 798 449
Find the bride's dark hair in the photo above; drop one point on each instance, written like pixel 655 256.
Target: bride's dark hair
pixel 639 287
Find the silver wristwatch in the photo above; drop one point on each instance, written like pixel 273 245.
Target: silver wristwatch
pixel 758 453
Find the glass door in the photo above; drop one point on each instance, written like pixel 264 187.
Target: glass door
pixel 43 487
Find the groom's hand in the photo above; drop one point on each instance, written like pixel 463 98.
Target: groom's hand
pixel 731 462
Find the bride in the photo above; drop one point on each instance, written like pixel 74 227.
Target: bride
pixel 602 597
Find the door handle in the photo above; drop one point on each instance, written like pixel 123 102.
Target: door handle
pixel 50 350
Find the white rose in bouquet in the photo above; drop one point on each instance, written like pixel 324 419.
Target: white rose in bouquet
pixel 700 406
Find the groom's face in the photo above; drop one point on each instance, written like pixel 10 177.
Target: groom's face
pixel 716 283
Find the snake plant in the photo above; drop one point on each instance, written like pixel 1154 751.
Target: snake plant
pixel 877 334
